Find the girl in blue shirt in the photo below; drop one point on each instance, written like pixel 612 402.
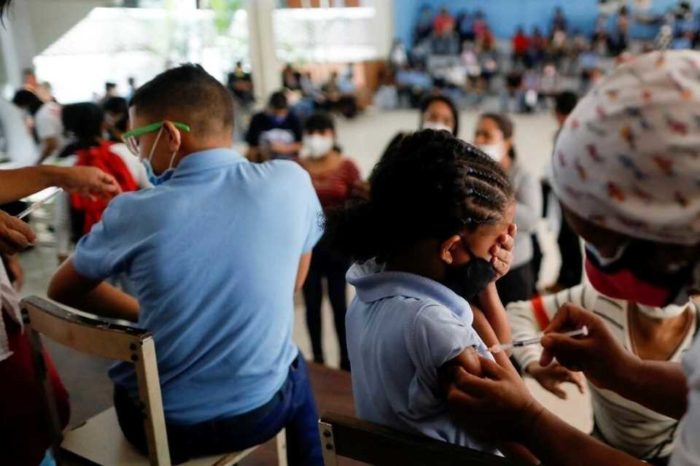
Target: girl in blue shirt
pixel 435 233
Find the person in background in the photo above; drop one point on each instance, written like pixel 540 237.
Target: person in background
pixel 131 82
pixel 274 133
pixel 45 121
pixel 19 146
pixel 110 91
pixel 291 78
pixel 75 215
pixel 336 178
pixel 571 268
pixel 494 136
pixel 648 332
pixel 438 112
pixel 116 118
pixel 424 25
pixel 443 23
pixel 240 83
pixel 521 48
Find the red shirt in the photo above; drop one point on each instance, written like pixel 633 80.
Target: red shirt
pixel 521 43
pixel 334 187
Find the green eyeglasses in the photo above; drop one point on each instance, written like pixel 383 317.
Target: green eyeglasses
pixel 131 138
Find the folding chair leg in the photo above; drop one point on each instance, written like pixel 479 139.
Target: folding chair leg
pixel 328 444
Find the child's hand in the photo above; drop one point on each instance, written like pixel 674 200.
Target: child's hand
pixel 552 376
pixel 502 252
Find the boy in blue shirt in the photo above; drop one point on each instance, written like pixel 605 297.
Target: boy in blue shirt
pixel 214 252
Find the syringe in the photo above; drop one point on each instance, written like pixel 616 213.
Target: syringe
pixel 583 331
pixel 38 204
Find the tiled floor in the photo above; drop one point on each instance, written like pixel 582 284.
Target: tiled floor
pixel 363 139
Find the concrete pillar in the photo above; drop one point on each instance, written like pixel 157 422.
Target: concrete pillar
pixel 263 56
pixel 17 41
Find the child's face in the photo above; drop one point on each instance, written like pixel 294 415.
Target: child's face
pixel 159 146
pixel 485 237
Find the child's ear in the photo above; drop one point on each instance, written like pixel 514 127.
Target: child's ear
pixel 447 248
pixel 174 136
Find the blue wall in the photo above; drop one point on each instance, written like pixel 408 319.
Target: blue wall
pixel 505 16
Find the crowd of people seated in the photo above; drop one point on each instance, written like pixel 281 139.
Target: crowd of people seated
pixel 458 53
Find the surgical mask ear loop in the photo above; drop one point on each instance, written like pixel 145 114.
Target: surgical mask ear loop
pixel 153 147
pixel 172 159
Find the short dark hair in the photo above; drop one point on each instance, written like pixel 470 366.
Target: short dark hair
pixel 28 100
pixel 187 94
pixel 84 120
pixel 278 101
pixel 319 121
pixel 565 102
pixel 110 85
pixel 120 106
pixel 430 185
pixel 428 101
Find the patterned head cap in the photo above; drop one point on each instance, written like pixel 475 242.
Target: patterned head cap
pixel 628 157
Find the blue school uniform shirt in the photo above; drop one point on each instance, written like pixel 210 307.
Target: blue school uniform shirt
pixel 401 328
pixel 213 255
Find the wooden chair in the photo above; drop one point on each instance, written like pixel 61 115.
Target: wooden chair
pixel 100 440
pixel 348 437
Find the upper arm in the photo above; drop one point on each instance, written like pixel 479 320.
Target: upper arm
pixel 435 337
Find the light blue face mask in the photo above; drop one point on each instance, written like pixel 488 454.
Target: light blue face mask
pixel 154 179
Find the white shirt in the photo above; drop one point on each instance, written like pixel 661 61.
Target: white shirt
pixel 48 124
pixel 21 149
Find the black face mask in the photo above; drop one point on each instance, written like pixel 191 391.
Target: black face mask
pixel 472 278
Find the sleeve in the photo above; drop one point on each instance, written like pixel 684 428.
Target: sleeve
pixel 529 204
pixel 315 217
pixel 252 136
pixel 525 322
pixel 106 250
pixel 435 337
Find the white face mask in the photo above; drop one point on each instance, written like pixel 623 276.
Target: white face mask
pixel 437 126
pixel 316 146
pixel 495 151
pixel 668 312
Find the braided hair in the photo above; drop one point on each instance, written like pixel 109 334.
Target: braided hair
pixel 429 185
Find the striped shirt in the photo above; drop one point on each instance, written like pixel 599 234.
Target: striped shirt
pixel 619 422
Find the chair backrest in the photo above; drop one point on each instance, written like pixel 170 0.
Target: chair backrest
pixel 106 339
pixel 378 445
